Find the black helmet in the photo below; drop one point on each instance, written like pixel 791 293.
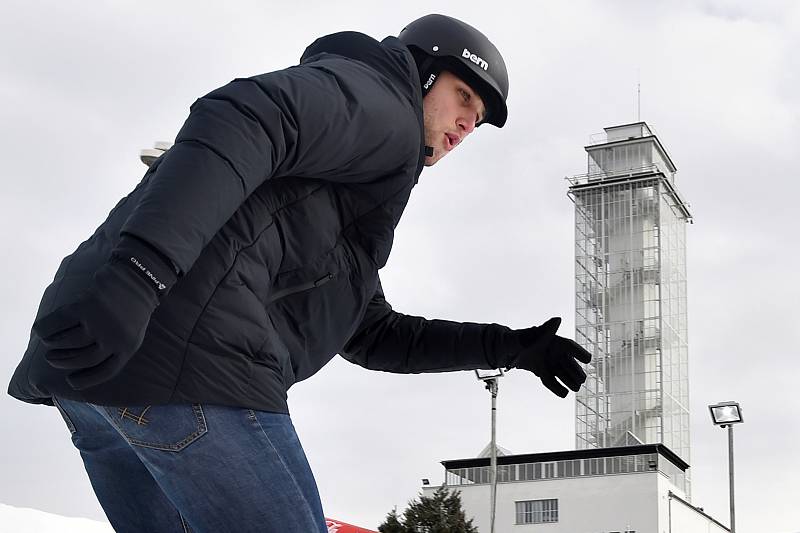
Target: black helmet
pixel 441 43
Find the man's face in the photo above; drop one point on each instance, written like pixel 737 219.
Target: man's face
pixel 451 111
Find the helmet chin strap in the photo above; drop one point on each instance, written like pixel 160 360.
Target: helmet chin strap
pixel 428 151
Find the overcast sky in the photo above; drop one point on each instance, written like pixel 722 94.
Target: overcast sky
pixel 487 235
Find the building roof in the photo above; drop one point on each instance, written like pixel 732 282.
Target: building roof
pixel 487 451
pixel 646 133
pixel 566 455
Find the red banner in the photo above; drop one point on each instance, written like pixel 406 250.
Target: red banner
pixel 337 526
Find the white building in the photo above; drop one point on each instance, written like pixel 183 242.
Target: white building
pixel 630 489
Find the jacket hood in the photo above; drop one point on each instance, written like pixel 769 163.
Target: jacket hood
pixel 390 54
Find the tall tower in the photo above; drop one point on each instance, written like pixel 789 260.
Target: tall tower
pixel 630 294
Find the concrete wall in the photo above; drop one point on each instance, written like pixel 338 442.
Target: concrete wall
pixel 683 518
pixel 585 504
pixel 676 516
pixel 639 502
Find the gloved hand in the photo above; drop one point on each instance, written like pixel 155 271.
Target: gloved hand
pixel 96 335
pixel 549 357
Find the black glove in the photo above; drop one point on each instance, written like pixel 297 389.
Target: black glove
pixel 96 335
pixel 549 357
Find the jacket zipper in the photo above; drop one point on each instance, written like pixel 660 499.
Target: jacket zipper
pixel 308 285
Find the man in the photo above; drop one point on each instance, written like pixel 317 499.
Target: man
pixel 246 258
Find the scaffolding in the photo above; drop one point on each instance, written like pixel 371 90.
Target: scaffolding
pixel 630 294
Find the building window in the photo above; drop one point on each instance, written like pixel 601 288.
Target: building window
pixel 529 471
pixel 569 468
pixel 537 511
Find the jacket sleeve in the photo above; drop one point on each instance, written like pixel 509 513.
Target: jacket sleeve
pixel 393 342
pixel 331 119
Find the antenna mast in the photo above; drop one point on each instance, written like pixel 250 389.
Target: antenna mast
pixel 638 96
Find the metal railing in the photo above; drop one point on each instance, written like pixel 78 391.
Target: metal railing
pixel 602 137
pixel 591 177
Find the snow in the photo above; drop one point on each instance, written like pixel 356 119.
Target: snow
pixel 23 520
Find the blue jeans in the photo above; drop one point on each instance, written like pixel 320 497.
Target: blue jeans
pixel 195 468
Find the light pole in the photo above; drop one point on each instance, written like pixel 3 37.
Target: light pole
pixel 725 414
pixel 490 377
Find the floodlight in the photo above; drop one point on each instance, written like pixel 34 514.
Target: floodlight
pixel 162 145
pixel 148 156
pixel 491 380
pixel 426 481
pixel 484 375
pixel 725 413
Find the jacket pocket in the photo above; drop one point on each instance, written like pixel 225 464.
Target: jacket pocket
pixel 170 427
pixel 300 287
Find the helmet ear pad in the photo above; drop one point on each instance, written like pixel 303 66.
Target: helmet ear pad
pixel 429 68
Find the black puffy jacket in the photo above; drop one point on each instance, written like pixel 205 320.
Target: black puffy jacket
pixel 278 203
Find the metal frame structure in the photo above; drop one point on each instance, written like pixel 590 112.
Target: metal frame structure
pixel 630 294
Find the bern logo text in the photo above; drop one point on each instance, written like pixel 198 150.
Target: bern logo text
pixel 475 59
pixel 429 82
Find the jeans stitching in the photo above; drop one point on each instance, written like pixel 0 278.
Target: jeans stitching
pixel 139 419
pixel 286 468
pixel 184 524
pixel 64 415
pixel 175 447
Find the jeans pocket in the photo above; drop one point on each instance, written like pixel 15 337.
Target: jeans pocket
pixel 65 416
pixel 169 427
